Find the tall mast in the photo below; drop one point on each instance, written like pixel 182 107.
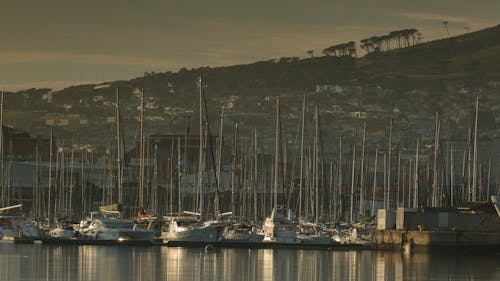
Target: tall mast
pixel 399 181
pixel 389 166
pixel 141 153
pixel 49 211
pixel 219 159
pixel 353 175
pixel 71 172
pixel 435 194
pixel 255 177
pixel 474 160
pixel 301 183
pixel 362 179
pixel 374 182
pixel 315 164
pixel 179 177
pixel 276 154
pixel 233 169
pixel 200 160
pixel 154 188
pixel 410 183
pixel 339 186
pixel 1 151
pixel 119 150
pixel 452 181
pixel 36 198
pixel 489 178
pixel 415 178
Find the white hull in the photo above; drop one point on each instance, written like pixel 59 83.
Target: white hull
pixel 192 234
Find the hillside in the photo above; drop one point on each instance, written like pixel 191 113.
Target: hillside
pixel 441 75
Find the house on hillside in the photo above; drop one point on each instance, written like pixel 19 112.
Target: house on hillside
pixel 328 88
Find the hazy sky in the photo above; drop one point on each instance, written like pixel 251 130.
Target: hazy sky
pixel 55 43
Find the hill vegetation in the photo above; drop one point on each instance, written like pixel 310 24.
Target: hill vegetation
pixel 397 70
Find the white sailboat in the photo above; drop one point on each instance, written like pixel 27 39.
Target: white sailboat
pixel 278 228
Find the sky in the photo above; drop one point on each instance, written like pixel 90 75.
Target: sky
pixel 58 43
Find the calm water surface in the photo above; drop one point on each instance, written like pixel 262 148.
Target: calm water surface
pixel 49 262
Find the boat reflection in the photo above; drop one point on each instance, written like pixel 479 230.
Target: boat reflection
pixel 51 262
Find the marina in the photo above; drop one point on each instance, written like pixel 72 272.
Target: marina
pixel 250 140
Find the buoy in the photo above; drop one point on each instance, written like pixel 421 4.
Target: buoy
pixel 209 248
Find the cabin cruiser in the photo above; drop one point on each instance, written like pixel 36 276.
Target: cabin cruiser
pixel 189 229
pixel 278 228
pixel 108 225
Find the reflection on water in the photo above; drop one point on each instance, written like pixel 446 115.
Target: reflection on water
pixel 48 262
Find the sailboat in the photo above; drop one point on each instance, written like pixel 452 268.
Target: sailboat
pixel 278 228
pixel 189 226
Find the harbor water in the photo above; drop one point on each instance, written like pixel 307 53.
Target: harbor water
pixel 72 262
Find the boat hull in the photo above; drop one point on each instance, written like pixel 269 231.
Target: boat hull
pixel 197 234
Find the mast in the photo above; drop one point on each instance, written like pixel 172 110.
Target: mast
pixel 36 203
pixel 154 191
pixel 374 182
pixel 339 186
pixel 435 172
pixel 119 150
pixel 71 174
pixel 2 168
pixel 362 178
pixel 255 177
pixel 219 160
pixel 179 178
pixel 474 161
pixel 301 180
pixel 415 178
pixel 141 153
pixel 389 166
pixel 489 177
pixel 233 169
pixel 452 190
pixel 200 160
pixel 315 164
pixel 410 183
pixel 399 180
pixel 353 175
pixel 49 211
pixel 276 154
pixel 82 184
